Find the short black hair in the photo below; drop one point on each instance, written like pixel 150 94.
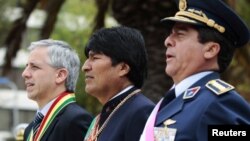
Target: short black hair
pixel 122 44
pixel 227 48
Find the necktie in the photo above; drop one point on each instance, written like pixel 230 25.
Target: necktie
pixel 36 123
pixel 169 96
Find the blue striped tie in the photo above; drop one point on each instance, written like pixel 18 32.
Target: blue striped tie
pixel 36 123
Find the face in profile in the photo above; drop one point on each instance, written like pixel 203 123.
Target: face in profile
pixel 100 75
pixel 39 76
pixel 184 53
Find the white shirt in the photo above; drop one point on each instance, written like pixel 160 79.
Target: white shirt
pixel 122 92
pixel 46 108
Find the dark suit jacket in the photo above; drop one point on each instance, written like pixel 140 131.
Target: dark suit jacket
pixel 128 121
pixel 205 108
pixel 70 124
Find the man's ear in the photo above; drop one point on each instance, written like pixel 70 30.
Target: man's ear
pixel 61 75
pixel 123 69
pixel 211 49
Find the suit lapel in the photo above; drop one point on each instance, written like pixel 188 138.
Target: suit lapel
pixel 28 130
pixel 172 108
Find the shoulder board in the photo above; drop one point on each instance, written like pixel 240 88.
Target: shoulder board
pixel 218 86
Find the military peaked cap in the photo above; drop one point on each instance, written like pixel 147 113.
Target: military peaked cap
pixel 214 14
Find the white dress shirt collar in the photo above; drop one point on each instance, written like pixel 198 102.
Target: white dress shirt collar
pixel 122 92
pixel 46 108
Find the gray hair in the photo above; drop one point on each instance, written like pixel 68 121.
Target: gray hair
pixel 61 56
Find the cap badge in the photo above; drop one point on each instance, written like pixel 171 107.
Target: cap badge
pixel 182 5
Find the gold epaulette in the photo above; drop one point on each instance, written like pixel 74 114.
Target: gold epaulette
pixel 218 86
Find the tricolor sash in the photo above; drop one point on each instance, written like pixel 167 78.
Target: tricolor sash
pixel 92 129
pixel 148 132
pixel 63 100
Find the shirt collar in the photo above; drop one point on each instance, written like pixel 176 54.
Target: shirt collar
pixel 122 92
pixel 45 109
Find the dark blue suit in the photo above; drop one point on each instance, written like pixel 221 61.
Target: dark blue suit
pixel 128 121
pixel 205 108
pixel 70 124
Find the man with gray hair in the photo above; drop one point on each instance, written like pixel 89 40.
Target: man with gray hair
pixel 50 77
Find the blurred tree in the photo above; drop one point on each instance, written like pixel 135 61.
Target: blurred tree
pixel 52 8
pixel 14 38
pixel 238 74
pixel 5 22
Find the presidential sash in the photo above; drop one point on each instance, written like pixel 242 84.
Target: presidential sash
pixel 63 100
pixel 92 130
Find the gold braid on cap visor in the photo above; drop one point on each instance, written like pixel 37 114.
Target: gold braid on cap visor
pixel 199 16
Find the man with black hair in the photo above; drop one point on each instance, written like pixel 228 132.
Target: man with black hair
pixel 115 69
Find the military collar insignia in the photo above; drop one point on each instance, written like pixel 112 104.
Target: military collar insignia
pixel 218 86
pixel 189 93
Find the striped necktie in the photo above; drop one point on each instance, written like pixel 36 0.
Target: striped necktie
pixel 36 123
